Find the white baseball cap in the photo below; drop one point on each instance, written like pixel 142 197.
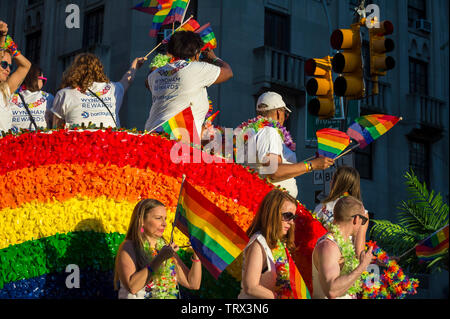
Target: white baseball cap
pixel 271 101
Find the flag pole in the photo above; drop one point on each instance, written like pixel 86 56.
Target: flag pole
pixel 185 11
pixel 357 145
pixel 172 33
pixel 176 213
pixel 421 242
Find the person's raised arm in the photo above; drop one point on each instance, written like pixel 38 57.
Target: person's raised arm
pixel 226 73
pixel 23 65
pixel 129 76
pixel 333 284
pixel 189 278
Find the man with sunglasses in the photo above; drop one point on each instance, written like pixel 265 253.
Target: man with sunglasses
pixel 9 82
pixel 274 157
pixel 329 257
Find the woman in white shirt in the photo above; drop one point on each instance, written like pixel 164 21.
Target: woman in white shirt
pixel 345 182
pixel 87 96
pixel 9 82
pixel 184 80
pixel 39 103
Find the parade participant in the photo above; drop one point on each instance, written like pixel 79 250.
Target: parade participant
pixel 88 96
pixel 336 269
pixel 275 155
pixel 265 273
pixel 9 83
pixel 39 102
pixel 345 181
pixel 184 80
pixel 146 266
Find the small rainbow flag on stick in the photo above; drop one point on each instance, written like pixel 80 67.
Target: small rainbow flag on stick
pixel 208 37
pixel 433 246
pixel 332 142
pixel 298 285
pixel 214 236
pixel 160 16
pixel 176 13
pixel 183 120
pixel 367 129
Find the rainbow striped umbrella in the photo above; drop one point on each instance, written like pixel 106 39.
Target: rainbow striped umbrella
pixel 368 128
pixel 332 142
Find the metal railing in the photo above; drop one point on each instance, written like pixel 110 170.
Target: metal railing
pixel 279 67
pixel 427 110
pixel 379 102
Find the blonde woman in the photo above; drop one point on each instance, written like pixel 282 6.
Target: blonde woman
pixel 146 266
pixel 88 96
pixel 9 82
pixel 345 182
pixel 264 274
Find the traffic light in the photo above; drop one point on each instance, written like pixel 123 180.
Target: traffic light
pixel 320 86
pixel 379 46
pixel 348 62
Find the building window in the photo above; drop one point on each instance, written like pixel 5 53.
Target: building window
pixel 277 30
pixel 417 9
pixel 418 76
pixel 93 27
pixel 33 47
pixel 419 160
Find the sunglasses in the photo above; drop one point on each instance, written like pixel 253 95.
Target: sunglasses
pixel 288 216
pixel 364 218
pixel 5 65
pixel 44 80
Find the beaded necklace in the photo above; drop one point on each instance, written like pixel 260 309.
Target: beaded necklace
pixel 163 283
pixel 260 122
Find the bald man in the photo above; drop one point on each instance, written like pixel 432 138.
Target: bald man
pixel 328 283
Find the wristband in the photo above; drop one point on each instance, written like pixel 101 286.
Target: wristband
pixel 215 60
pixel 308 166
pixel 150 270
pixel 195 260
pixel 11 46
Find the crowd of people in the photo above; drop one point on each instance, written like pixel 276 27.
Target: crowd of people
pixel 146 265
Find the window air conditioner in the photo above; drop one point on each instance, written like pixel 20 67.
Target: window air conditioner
pixel 423 25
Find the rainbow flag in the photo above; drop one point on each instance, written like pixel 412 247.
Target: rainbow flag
pixel 183 120
pixel 208 37
pixel 433 246
pixel 148 6
pixel 176 12
pixel 298 285
pixel 160 16
pixel 215 237
pixel 372 127
pixel 191 25
pixel 332 142
pixel 212 117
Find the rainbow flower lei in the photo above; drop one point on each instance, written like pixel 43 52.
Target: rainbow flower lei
pixel 392 283
pixel 283 288
pixel 163 284
pixel 260 122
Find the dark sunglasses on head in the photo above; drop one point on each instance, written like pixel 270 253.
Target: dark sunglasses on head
pixel 5 65
pixel 44 80
pixel 364 218
pixel 288 216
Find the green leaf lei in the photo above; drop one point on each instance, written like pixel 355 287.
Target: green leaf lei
pixel 348 253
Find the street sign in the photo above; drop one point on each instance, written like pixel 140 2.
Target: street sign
pixel 314 124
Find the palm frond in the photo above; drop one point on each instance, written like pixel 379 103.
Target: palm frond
pixel 394 238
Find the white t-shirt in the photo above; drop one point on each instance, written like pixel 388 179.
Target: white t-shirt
pixel 269 141
pixel 5 111
pixel 76 108
pixel 39 104
pixel 177 85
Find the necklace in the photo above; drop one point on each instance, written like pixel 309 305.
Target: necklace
pixel 260 122
pixel 283 287
pixel 349 255
pixel 163 284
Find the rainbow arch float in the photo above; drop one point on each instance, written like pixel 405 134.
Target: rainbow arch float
pixel 67 198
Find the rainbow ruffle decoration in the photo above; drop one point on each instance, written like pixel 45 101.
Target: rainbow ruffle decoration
pixel 67 197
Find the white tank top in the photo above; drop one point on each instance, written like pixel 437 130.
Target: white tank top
pixel 317 288
pixel 269 277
